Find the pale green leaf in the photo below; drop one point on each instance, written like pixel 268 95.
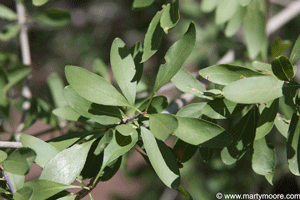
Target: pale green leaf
pixel 39 2
pixel 16 180
pixel 44 151
pixel 170 16
pixel 123 68
pixel 100 68
pixel 254 90
pixel 282 124
pixel 66 165
pixel 244 2
pixel 24 193
pixel 3 156
pixel 56 87
pixel 236 21
pixel 191 110
pixel 295 54
pixel 161 159
pixel 261 66
pixel 222 14
pixel 208 5
pixel 93 87
pixel 7 13
pixel 67 113
pixel 9 31
pixel 175 57
pixel 162 125
pixel 54 17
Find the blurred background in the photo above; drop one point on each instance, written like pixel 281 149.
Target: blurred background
pixel 94 25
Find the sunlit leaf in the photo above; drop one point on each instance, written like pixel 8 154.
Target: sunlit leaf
pixel 222 14
pixel 7 13
pixel 67 113
pixel 56 87
pixel 54 17
pixel 162 125
pixel 282 68
pixel 295 54
pixel 191 110
pixel 175 57
pixel 170 16
pixel 39 2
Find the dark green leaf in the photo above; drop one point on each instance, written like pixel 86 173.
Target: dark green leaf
pixel 65 141
pixel 264 159
pixel 266 118
pixel 292 145
pixel 66 165
pixel 206 153
pixel 191 110
pixel 44 151
pixel 282 124
pixel 184 192
pixel 3 156
pixel 157 105
pixel 111 169
pixel 54 17
pixel 153 37
pixel 16 75
pixel 123 68
pixel 289 91
pixel 162 125
pixel 67 113
pixel 9 31
pixel 196 131
pixel 161 159
pixel 236 21
pixel 139 4
pixel 137 53
pixel 102 114
pixel 39 2
pixel 282 68
pixel 3 82
pixel 184 150
pixel 56 87
pixel 100 68
pixel 175 57
pixel 222 14
pixel 24 193
pixel 253 90
pixel 20 161
pixel 93 87
pixel 225 74
pixel 170 16
pixel 7 13
pixel 279 47
pixel 208 5
pixel 295 54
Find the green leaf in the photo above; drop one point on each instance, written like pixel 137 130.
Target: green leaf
pixel 20 161
pixel 67 165
pixel 16 180
pixel 7 13
pixel 279 47
pixel 44 151
pixel 191 110
pixel 170 16
pixel 282 124
pixel 16 75
pixel 43 189
pixel 162 125
pixel 266 119
pixel 186 82
pixel 123 68
pixel 222 14
pixel 295 54
pixel 24 193
pixel 3 156
pixel 236 21
pixel 139 4
pixel 261 66
pixel 184 150
pixel 253 90
pixel 206 153
pixel 9 31
pixel 102 114
pixel 157 105
pixel 68 198
pixel 175 57
pixel 93 87
pixel 67 113
pixel 225 74
pixel 208 5
pixel 153 37
pixel 282 68
pixel 254 32
pixel 184 192
pixel 196 131
pixel 137 52
pixel 65 141
pixel 292 145
pixel 244 2
pixel 161 159
pixel 264 159
pixel 100 68
pixel 56 87
pixel 3 82
pixel 54 17
pixel 39 2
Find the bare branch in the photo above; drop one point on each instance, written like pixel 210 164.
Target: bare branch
pixel 14 145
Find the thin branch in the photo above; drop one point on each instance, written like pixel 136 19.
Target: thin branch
pixel 14 145
pixel 8 182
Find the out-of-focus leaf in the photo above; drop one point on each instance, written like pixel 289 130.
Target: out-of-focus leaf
pixel 225 74
pixel 24 193
pixel 292 145
pixel 254 32
pixel 196 131
pixel 161 159
pixel 244 2
pixel 186 82
pixel 44 151
pixel 282 68
pixel 3 82
pixel 206 153
pixel 266 119
pixel 264 159
pixel 157 105
pixel 279 47
pixel 39 2
pixel 56 87
pixel 264 67
pixel 170 16
pixel 7 13
pixel 16 75
pixel 184 150
pixel 222 14
pixel 282 124
pixel 100 68
pixel 236 21
pixel 184 192
pixel 139 4
pixel 93 87
pixel 54 17
pixel 162 125
pixel 295 54
pixel 191 110
pixel 102 114
pixel 9 31
pixel 3 156
pixel 153 37
pixel 208 5
pixel 175 57
pixel 254 90
pixel 20 161
pixel 43 189
pixel 66 165
pixel 123 68
pixel 67 113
